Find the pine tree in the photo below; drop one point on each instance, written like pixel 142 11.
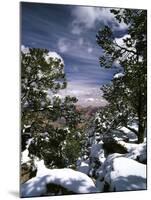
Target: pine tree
pixel 127 94
pixel 50 120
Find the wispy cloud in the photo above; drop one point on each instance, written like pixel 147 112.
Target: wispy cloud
pixel 86 18
pixel 71 32
pixel 82 50
pixel 63 45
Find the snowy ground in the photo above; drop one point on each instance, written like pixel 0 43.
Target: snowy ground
pixel 136 151
pixel 72 180
pixel 116 172
pixel 121 174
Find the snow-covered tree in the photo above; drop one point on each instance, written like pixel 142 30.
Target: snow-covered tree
pixel 127 93
pixel 51 121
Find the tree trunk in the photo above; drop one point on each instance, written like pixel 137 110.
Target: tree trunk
pixel 141 120
pixel 141 130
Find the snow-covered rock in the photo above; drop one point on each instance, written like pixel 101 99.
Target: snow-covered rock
pixel 131 135
pixel 25 154
pixel 96 157
pixel 69 179
pixel 111 142
pixel 97 152
pixel 28 170
pixel 121 174
pixel 116 135
pixel 136 151
pixel 84 167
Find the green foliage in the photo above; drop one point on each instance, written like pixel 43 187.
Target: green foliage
pixel 50 118
pixel 128 94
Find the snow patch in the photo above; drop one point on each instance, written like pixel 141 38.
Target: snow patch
pixel 83 167
pixel 122 174
pixel 25 154
pixel 127 174
pixel 97 152
pixel 118 75
pixel 24 49
pixel 54 55
pixel 72 180
pixel 136 151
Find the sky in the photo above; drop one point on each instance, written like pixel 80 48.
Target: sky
pixel 70 31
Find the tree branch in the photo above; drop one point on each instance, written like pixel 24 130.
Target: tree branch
pixel 132 129
pixel 125 49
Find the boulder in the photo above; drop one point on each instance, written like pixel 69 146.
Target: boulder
pixel 111 142
pixel 119 173
pixel 28 170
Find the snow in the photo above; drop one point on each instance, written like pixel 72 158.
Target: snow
pixel 40 74
pixel 27 126
pixel 136 151
pixel 24 49
pixel 122 174
pixel 83 167
pixel 127 175
pixel 118 75
pixel 72 180
pixel 25 154
pixel 41 168
pixel 57 95
pixel 120 41
pixel 97 151
pixel 52 54
pixel 117 135
pixel 131 135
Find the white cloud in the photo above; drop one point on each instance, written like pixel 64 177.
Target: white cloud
pixel 86 18
pixel 81 41
pixel 80 48
pixel 63 45
pixel 76 29
pixel 75 69
pixel 90 50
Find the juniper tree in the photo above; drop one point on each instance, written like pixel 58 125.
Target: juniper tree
pixel 50 120
pixel 131 54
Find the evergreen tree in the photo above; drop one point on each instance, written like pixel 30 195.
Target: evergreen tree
pixel 50 121
pixel 127 94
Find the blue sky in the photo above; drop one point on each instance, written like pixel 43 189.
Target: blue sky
pixel 71 32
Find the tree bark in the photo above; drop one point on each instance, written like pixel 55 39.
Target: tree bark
pixel 141 130
pixel 141 121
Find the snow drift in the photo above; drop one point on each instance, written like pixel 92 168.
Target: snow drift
pixel 119 173
pixel 69 179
